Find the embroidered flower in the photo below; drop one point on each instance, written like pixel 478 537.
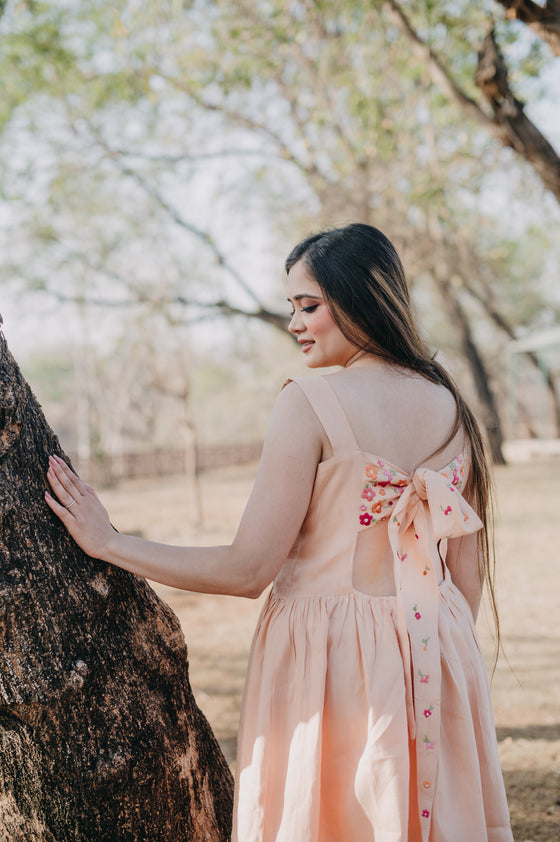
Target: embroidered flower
pixel 426 784
pixel 429 743
pixel 424 679
pixel 425 641
pixel 428 711
pixel 417 614
pixel 446 511
pixel 366 519
pixel 425 814
pixel 382 484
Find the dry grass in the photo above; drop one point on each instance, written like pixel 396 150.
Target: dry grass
pixel 526 692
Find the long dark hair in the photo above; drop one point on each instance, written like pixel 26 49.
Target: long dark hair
pixel 364 284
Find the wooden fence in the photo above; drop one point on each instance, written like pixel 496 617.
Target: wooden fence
pixel 109 468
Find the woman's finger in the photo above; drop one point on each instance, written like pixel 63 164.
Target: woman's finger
pixel 65 475
pixel 63 512
pixel 63 495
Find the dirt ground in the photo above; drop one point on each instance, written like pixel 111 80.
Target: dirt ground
pixel 526 686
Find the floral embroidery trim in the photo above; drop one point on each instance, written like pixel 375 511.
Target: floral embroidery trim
pixel 454 473
pixel 382 485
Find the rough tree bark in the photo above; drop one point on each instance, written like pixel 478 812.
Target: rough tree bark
pixel 100 736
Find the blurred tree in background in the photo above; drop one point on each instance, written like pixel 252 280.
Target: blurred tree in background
pixel 159 159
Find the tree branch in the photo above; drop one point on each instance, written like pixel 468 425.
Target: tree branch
pixel 520 133
pixel 439 73
pixel 543 20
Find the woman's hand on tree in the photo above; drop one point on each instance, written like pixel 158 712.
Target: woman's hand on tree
pixel 79 508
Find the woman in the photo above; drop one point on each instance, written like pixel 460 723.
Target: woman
pixel 367 712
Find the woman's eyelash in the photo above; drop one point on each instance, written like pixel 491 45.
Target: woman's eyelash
pixel 308 309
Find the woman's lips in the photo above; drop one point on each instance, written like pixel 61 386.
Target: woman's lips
pixel 306 345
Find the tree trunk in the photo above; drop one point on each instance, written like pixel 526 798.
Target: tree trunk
pixel 100 736
pixel 481 379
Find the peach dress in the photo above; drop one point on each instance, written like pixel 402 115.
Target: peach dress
pixel 369 718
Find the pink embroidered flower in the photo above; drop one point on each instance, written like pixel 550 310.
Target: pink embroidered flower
pixel 416 536
pixel 368 494
pixel 366 519
pixel 447 511
pixel 429 743
pixel 424 679
pixel 362 508
pixel 417 614
pixel 425 814
pixel 428 712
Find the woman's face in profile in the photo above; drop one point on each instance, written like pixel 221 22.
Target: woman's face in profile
pixel 321 340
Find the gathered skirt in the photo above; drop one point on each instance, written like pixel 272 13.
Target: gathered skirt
pixel 324 751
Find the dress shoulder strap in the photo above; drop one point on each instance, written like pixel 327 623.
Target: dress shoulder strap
pixel 329 411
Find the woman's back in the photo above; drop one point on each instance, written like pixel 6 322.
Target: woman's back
pixel 397 414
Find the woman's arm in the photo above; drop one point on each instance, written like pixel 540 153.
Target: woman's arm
pixel 465 565
pixel 268 528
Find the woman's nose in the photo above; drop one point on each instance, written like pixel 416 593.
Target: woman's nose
pixel 295 324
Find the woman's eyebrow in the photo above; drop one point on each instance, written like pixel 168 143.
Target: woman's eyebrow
pixel 305 295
